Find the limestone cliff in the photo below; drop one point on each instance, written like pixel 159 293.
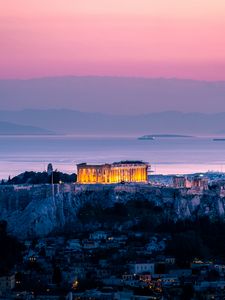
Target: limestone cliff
pixel 39 210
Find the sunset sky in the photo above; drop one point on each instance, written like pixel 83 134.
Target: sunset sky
pixel 147 38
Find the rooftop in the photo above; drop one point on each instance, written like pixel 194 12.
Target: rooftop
pixel 129 162
pixel 122 162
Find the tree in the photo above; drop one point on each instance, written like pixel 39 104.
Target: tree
pixel 186 246
pixel 10 250
pixel 57 276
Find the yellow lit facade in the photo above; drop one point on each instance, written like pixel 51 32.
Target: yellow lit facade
pixel 124 171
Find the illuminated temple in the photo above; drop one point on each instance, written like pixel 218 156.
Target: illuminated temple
pixel 124 171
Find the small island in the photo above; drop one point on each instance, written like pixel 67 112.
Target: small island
pixel 146 137
pixel 153 136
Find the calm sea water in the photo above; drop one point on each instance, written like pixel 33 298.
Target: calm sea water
pixel 166 155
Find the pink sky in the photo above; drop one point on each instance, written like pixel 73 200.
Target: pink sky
pixel 163 38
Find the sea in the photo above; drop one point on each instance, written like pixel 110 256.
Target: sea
pixel 165 155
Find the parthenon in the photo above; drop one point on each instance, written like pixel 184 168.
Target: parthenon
pixel 123 171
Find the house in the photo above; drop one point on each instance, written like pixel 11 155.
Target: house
pixel 89 245
pixel 74 244
pixel 112 281
pixel 204 285
pixel 7 283
pixel 138 268
pixel 181 272
pixel 31 256
pixel 102 273
pixel 103 263
pixel 98 235
pixel 50 252
pixel 156 245
pixel 120 239
pixel 135 283
pixel 167 280
pixel 170 260
pixel 145 277
pixel 79 271
pixel 220 268
pixel 27 243
pixel 127 277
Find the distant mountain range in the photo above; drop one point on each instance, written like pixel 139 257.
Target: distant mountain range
pixel 75 122
pixel 116 95
pixel 7 128
pixel 112 105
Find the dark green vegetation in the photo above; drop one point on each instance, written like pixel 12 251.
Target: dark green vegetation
pixel 189 239
pixel 41 178
pixel 143 214
pixel 10 250
pixel 195 239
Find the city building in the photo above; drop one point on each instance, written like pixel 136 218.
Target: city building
pixel 179 181
pixel 140 267
pixel 124 171
pixel 7 283
pixel 196 182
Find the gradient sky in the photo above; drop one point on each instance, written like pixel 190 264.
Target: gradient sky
pixel 149 38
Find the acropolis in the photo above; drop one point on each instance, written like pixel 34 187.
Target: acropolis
pixel 123 171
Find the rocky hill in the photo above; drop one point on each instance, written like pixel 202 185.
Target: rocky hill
pixel 40 210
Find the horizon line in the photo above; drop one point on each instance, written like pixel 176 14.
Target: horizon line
pixel 111 76
pixel 110 114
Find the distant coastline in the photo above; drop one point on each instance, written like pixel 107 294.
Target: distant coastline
pixel 13 129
